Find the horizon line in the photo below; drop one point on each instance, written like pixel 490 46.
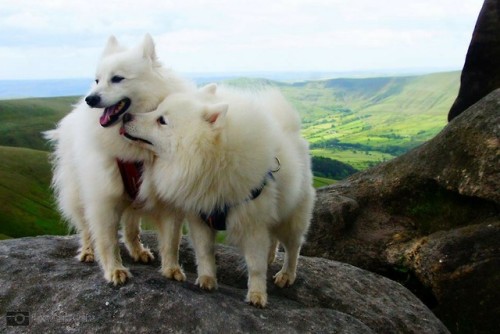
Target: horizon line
pixel 334 73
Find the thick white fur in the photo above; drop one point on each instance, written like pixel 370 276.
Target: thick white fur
pixel 88 186
pixel 213 148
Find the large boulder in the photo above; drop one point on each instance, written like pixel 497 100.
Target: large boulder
pixel 429 218
pixel 42 277
pixel 481 72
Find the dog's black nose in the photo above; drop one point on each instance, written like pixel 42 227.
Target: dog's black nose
pixel 127 118
pixel 93 100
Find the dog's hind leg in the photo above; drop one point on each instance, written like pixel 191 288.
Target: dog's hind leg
pixel 286 276
pixel 272 250
pixel 132 237
pixel 255 247
pixel 203 241
pixel 70 205
pixel 291 235
pixel 169 238
pixel 86 251
pixel 76 218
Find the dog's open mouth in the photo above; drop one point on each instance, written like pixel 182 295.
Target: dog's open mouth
pixel 129 136
pixel 112 114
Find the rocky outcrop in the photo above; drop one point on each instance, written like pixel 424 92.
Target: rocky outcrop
pixel 429 218
pixel 462 268
pixel 41 276
pixel 481 72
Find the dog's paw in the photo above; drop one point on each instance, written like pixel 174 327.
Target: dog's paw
pixel 119 276
pixel 86 256
pixel 174 273
pixel 144 256
pixel 208 283
pixel 257 299
pixel 283 279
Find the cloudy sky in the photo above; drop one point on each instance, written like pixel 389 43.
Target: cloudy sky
pixel 64 38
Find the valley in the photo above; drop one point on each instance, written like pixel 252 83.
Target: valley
pixel 355 123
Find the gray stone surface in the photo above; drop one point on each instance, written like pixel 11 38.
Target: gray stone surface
pixel 41 276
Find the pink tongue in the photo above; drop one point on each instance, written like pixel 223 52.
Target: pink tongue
pixel 105 117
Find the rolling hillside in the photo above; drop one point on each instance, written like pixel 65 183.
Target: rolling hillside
pixel 359 122
pixel 365 121
pixel 362 121
pixel 22 121
pixel 26 204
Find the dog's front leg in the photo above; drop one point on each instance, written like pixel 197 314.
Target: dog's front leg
pixel 169 238
pixel 104 222
pixel 203 240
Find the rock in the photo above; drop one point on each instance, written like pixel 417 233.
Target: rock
pixel 481 72
pixel 41 276
pixel 445 191
pixel 455 264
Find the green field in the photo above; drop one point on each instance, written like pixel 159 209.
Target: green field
pixel 366 121
pixel 23 120
pixel 26 204
pixel 319 182
pixel 360 122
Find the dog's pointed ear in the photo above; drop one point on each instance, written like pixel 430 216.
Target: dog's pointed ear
pixel 215 114
pixel 148 49
pixel 111 46
pixel 209 89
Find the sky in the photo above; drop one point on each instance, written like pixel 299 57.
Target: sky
pixel 64 38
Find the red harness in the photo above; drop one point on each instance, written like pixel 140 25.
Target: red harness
pixel 131 173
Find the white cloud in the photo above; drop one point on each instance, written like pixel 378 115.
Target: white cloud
pixel 64 38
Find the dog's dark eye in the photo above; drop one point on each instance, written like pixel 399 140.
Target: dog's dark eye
pixel 162 120
pixel 116 79
pixel 97 81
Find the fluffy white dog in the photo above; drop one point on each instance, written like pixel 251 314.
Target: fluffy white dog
pixel 231 159
pixel 97 171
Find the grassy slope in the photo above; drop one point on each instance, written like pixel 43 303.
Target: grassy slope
pixel 322 182
pixel 22 121
pixel 26 204
pixel 376 113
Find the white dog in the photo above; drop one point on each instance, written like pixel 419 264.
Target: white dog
pixel 91 158
pixel 231 158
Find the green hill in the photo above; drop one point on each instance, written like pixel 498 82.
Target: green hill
pixel 365 121
pixel 359 122
pixel 22 121
pixel 26 202
pixel 319 182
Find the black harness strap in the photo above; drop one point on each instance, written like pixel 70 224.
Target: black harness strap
pixel 216 219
